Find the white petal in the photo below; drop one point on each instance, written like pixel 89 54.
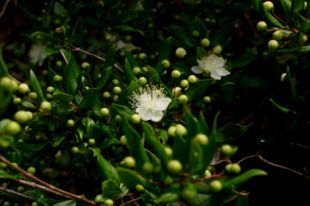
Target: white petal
pixel 196 69
pixel 157 115
pixel 222 72
pixel 162 103
pixel 145 114
pixel 215 76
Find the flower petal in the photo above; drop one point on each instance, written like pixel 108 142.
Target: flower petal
pixel 157 115
pixel 222 72
pixel 215 76
pixel 196 69
pixel 162 103
pixel 145 114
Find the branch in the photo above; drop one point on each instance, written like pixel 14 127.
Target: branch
pixel 44 185
pixel 13 192
pixel 4 7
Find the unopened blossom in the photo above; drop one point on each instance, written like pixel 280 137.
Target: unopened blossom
pixel 213 65
pixel 150 102
pixel 36 54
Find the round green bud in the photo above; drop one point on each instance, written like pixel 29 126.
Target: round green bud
pixel 13 128
pixel 5 82
pixel 183 99
pixel 273 44
pixel 303 38
pixel 139 188
pixel 123 140
pixel 23 88
pixel 70 123
pixel 108 202
pixel 45 106
pixel 33 95
pixel 174 166
pixel 228 167
pixel 171 130
pixel 99 198
pixel 142 56
pixel 17 100
pixel 85 65
pixel 6 203
pixel 136 70
pixel 208 173
pixel 49 96
pixel 34 204
pixel 189 192
pixel 23 116
pixel 57 78
pixel 175 74
pixel 115 98
pixel 20 189
pixel 50 89
pixel 168 151
pixel 176 91
pixel 118 118
pixel 129 161
pixel 135 118
pixel 75 150
pixel 205 42
pixel 184 83
pixel 268 5
pixel 148 167
pixel 217 49
pixel 201 139
pixel 235 168
pixel 278 35
pixel 31 170
pixel 195 33
pixel 3 165
pixel 59 63
pixel 206 99
pixel 282 77
pixel 216 185
pixel 165 63
pixel 115 81
pixel 192 79
pixel 4 143
pixel 228 150
pixel 145 69
pixel 117 90
pixel 106 94
pixel 142 80
pixel 104 111
pixel 261 26
pixel 92 141
pixel 180 130
pixel 180 52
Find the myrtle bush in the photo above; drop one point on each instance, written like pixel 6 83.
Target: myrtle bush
pixel 145 102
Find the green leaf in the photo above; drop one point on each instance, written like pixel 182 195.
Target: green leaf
pixel 107 170
pixel 3 67
pixel 244 177
pixel 30 147
pixel 106 75
pixel 90 99
pixel 110 188
pixel 196 157
pixel 195 91
pixel 164 52
pixel 281 108
pixel 152 141
pixel 72 73
pixel 66 203
pixel 269 17
pixel 135 146
pixel 35 85
pixel 292 83
pixel 286 6
pixel 297 5
pixel 51 51
pixel 242 201
pixel 167 197
pixel 5 175
pixel 60 10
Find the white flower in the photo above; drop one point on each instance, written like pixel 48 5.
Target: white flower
pixel 36 54
pixel 213 65
pixel 150 102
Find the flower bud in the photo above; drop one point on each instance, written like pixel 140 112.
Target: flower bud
pixel 183 99
pixel 228 150
pixel 278 35
pixel 23 88
pixel 206 99
pixel 192 79
pixel 108 202
pixel 45 106
pixel 303 38
pixel 129 161
pixel 168 151
pixel 268 5
pixel 180 52
pixel 70 123
pixel 174 166
pixel 217 49
pixel 180 130
pixel 195 33
pixel 171 130
pixel 92 141
pixel 175 74
pixel 117 90
pixel 273 44
pixel 135 118
pixel 57 78
pixel 104 111
pixel 123 140
pixel 184 83
pixel 106 94
pixel 216 185
pixel 31 170
pixel 283 76
pixel 139 188
pixel 261 26
pixel 136 70
pixel 148 167
pixel 23 116
pixel 13 128
pixel 142 80
pixel 75 150
pixel 142 56
pixel 201 139
pixel 205 42
pixel 50 89
pixel 85 65
pixel 165 63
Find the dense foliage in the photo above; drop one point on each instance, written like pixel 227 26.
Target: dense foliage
pixel 145 102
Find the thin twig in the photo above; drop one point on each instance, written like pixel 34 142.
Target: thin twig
pixel 301 145
pixel 45 184
pixel 4 7
pixel 117 66
pixel 279 166
pixel 130 201
pixel 64 56
pixel 246 158
pixel 13 192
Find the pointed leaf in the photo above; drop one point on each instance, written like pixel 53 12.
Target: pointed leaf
pixel 244 177
pixel 3 67
pixel 72 73
pixel 35 85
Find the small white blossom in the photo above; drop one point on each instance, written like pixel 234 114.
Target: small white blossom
pixel 36 54
pixel 150 102
pixel 213 65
